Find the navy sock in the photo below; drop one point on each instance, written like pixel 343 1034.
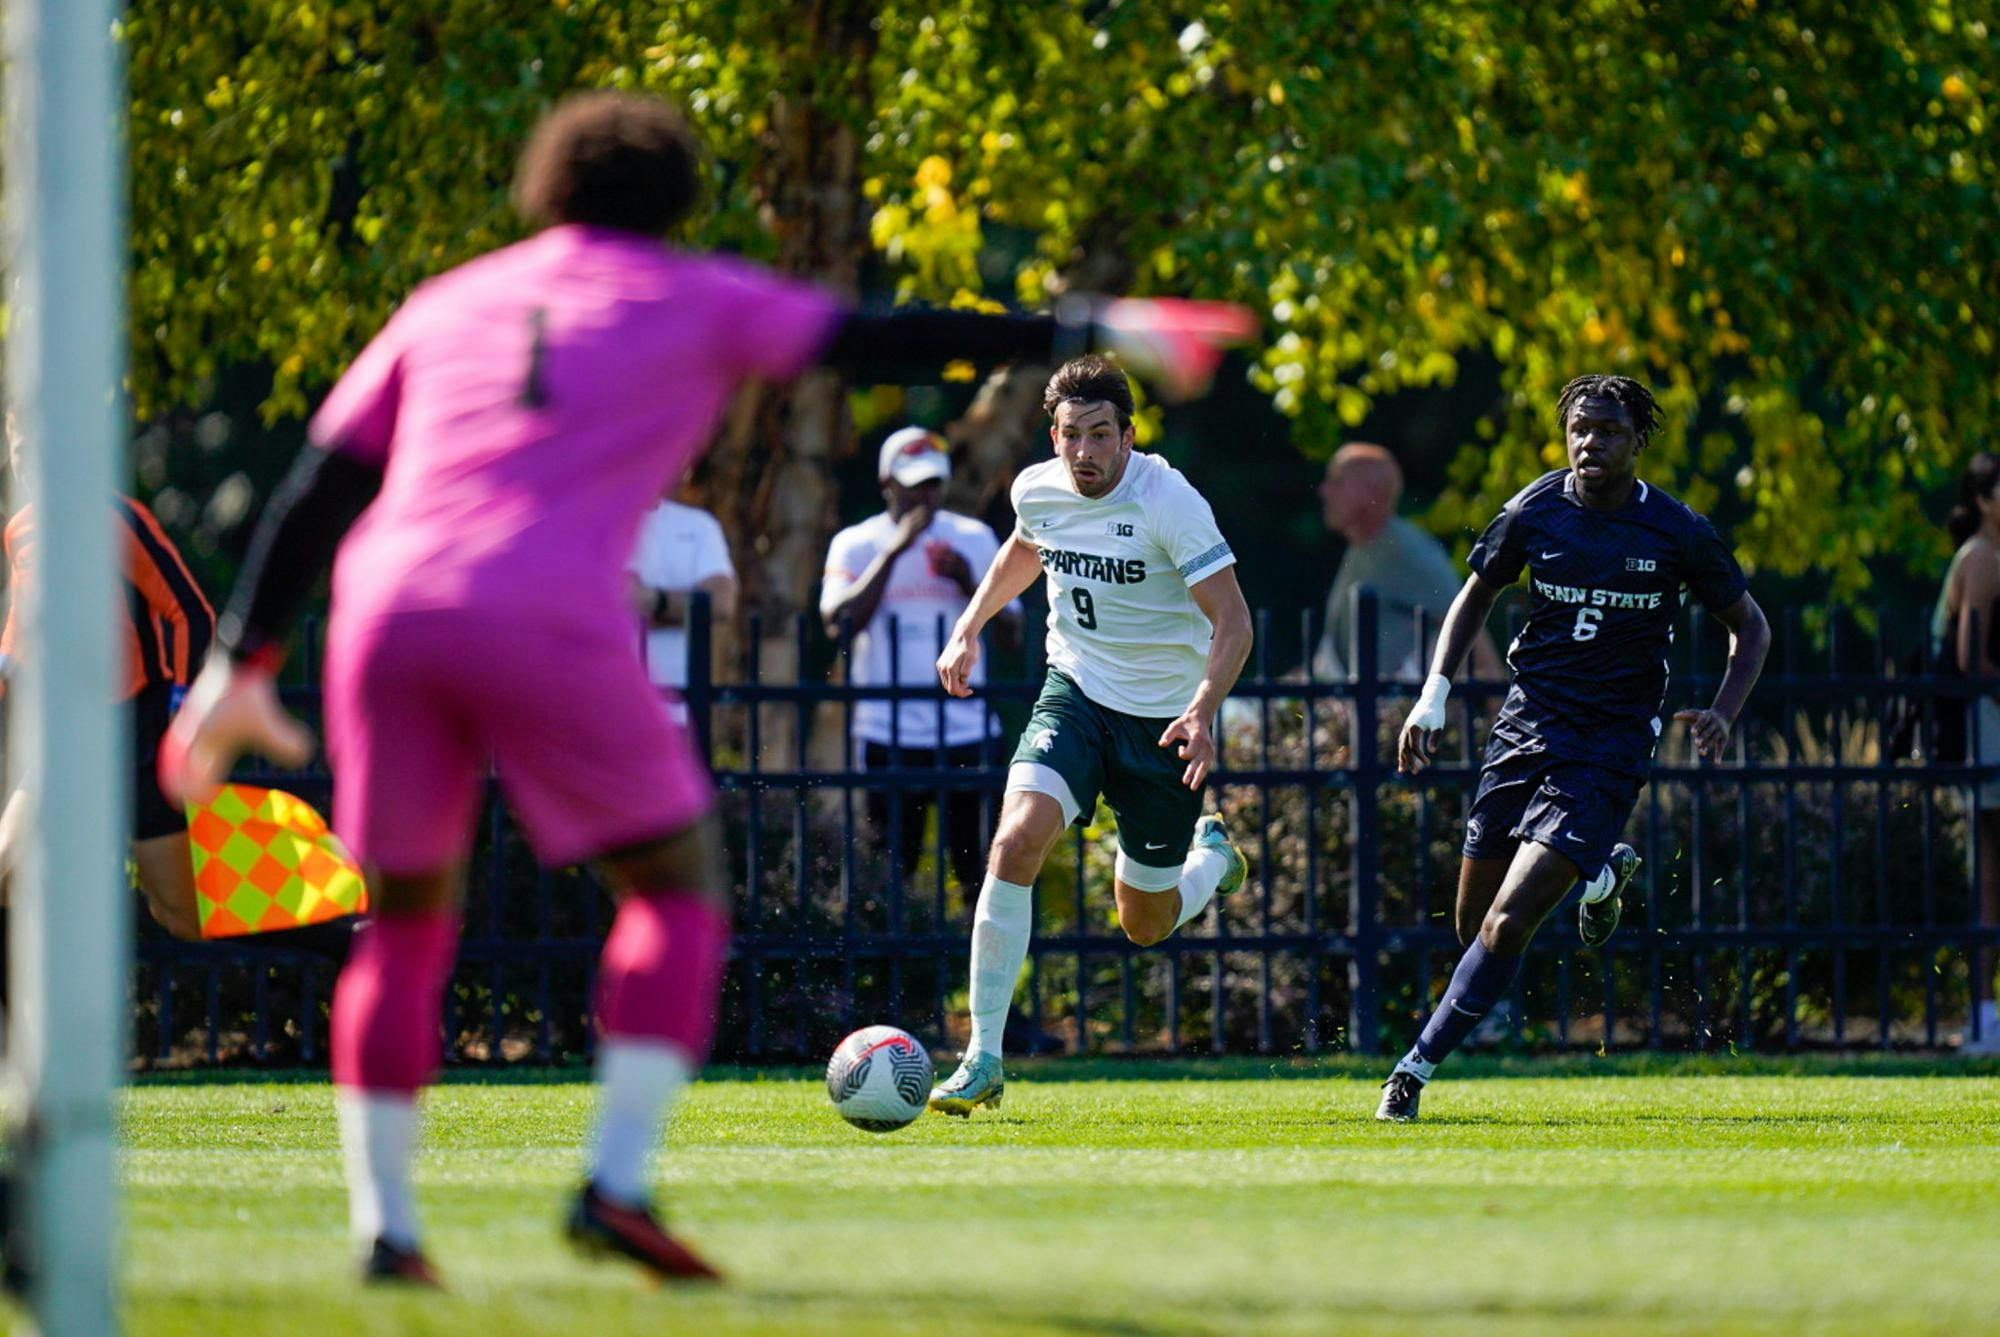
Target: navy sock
pixel 1481 980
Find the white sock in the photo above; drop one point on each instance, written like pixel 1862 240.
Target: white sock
pixel 1000 928
pixel 377 1131
pixel 1203 869
pixel 1599 887
pixel 1413 1063
pixel 638 1082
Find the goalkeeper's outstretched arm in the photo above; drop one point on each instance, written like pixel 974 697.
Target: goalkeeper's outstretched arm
pixel 1175 344
pixel 233 707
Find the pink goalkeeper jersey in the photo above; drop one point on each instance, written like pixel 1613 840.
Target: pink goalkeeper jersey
pixel 531 405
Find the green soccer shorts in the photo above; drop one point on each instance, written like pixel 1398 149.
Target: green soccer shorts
pixel 1074 749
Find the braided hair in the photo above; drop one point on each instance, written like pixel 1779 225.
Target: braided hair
pixel 1636 398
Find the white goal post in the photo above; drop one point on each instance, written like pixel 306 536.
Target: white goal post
pixel 69 953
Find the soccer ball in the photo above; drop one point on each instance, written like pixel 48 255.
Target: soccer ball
pixel 879 1078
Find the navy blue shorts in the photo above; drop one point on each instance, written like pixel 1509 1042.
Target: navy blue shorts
pixel 1526 792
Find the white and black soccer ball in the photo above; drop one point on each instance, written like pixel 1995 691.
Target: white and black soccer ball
pixel 879 1078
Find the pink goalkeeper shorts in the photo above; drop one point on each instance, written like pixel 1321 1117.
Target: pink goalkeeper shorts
pixel 419 703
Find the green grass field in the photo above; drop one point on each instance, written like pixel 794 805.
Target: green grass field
pixel 1111 1198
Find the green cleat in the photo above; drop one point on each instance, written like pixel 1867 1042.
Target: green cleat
pixel 1211 832
pixel 1596 921
pixel 978 1081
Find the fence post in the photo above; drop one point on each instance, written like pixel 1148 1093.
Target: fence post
pixel 699 694
pixel 1365 899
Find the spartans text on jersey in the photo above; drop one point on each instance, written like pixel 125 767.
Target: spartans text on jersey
pixel 1091 566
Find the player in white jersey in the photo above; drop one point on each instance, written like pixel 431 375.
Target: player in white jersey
pixel 1147 632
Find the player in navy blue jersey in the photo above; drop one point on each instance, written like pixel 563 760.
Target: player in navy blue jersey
pixel 1610 560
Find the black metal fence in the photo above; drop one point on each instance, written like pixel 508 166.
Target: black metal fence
pixel 1813 891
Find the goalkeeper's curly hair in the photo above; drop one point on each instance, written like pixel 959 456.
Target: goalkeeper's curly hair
pixel 1636 398
pixel 610 159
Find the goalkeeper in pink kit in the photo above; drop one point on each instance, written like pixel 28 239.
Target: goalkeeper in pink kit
pixel 482 469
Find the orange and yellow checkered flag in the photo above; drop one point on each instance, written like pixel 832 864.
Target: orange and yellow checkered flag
pixel 264 860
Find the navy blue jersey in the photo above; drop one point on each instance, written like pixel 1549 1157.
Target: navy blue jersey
pixel 1604 588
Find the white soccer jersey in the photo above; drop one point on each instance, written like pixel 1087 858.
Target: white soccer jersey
pixel 1121 621
pixel 679 547
pixel 923 606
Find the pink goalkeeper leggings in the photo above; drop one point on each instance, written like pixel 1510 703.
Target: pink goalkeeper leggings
pixel 661 973
pixel 386 1004
pixel 658 980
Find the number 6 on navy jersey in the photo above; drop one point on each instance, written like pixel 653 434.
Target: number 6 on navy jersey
pixel 1586 624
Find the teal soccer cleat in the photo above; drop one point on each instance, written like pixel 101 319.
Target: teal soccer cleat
pixel 978 1081
pixel 1212 833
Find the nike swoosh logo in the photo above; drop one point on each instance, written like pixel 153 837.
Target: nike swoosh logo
pixel 1571 835
pixel 1153 846
pixel 1548 556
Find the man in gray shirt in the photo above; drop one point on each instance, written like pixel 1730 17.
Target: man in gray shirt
pixel 1407 568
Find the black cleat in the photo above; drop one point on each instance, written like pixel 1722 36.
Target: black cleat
pixel 1400 1095
pixel 598 1226
pixel 1596 921
pixel 393 1265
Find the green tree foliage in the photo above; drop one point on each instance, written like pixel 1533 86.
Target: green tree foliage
pixel 297 168
pixel 1775 218
pixel 1779 216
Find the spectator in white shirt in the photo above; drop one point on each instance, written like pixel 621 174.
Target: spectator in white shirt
pixel 896 583
pixel 681 551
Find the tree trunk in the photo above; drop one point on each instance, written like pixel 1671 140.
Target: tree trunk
pixel 996 438
pixel 769 476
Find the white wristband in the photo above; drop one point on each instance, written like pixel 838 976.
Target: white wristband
pixel 1428 713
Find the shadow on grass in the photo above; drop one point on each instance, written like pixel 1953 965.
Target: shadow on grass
pixel 1682 1123
pixel 1228 1068
pixel 1496 1067
pixel 775 1307
pixel 1240 1312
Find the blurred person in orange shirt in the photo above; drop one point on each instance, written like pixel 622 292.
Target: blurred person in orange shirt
pixel 167 628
